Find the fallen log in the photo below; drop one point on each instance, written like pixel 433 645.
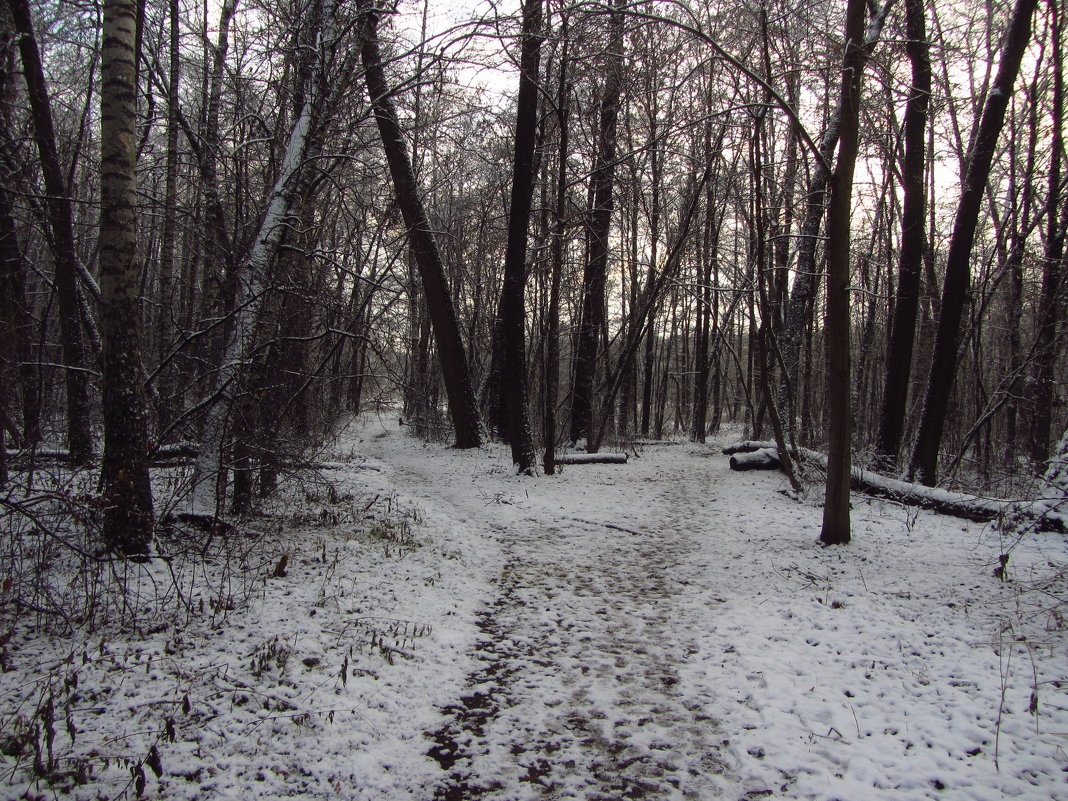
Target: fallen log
pixel 592 458
pixel 956 504
pixel 761 459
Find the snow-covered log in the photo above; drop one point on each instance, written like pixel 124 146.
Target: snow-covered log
pixel 592 458
pixel 1049 511
pixel 957 504
pixel 761 459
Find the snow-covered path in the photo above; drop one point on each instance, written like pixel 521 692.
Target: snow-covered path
pixel 577 693
pixel 670 629
pixel 432 627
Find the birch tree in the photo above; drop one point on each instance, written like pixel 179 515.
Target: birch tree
pixel 209 478
pixel 128 516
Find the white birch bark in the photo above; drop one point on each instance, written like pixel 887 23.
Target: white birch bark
pixel 208 472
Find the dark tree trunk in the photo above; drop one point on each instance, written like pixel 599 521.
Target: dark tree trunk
pixel 599 221
pixel 513 313
pixel 1050 306
pixel 128 517
pixel 835 529
pixel 79 437
pixel 958 275
pixel 556 256
pixel 14 336
pixel 913 242
pixel 453 359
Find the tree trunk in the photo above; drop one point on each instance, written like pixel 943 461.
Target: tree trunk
pixel 128 517
pixel 209 477
pixel 1050 305
pixel 956 285
pixel 16 322
pixel 79 436
pixel 802 302
pixel 598 226
pixel 556 264
pixel 453 359
pixel 513 313
pixel 835 529
pixel 913 242
pixel 166 386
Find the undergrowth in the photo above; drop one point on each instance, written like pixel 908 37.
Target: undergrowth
pixel 81 630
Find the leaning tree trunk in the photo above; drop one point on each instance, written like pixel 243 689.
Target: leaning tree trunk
pixel 958 275
pixel 913 241
pixel 209 476
pixel 835 529
pixel 79 436
pixel 128 517
pixel 462 404
pixel 513 314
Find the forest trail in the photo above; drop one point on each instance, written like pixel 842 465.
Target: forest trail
pixel 576 693
pixel 671 629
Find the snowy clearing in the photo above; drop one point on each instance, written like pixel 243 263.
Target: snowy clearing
pixel 667 629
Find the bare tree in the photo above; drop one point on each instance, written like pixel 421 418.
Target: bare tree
pixel 515 268
pixel 451 354
pixel 1051 301
pixel 913 242
pixel 128 516
pixel 943 369
pixel 210 477
pixel 599 221
pixel 79 435
pixel 836 522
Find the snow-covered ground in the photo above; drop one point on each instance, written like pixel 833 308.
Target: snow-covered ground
pixel 665 629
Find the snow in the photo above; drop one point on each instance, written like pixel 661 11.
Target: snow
pixel 665 629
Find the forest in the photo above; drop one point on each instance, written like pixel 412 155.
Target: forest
pixel 578 224
pixel 229 231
